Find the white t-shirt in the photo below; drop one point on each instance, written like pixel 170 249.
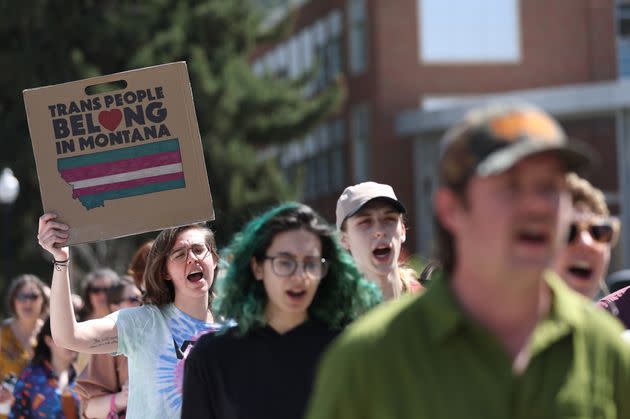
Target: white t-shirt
pixel 145 336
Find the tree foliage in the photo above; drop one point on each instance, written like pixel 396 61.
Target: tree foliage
pixel 238 112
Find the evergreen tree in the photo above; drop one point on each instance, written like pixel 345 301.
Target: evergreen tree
pixel 237 111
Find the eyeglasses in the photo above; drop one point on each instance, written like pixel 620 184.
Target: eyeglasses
pixel 98 290
pixel 313 267
pixel 602 231
pixel 133 299
pixel 180 255
pixel 27 297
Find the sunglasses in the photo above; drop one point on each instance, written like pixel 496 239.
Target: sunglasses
pixel 603 231
pixel 27 297
pixel 97 290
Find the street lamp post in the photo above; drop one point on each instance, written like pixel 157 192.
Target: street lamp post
pixel 9 191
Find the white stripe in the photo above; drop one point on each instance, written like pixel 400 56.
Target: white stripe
pixel 121 177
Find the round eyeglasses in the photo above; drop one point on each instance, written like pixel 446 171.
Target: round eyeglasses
pixel 314 267
pixel 180 255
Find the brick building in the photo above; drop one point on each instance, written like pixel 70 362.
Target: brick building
pixel 413 66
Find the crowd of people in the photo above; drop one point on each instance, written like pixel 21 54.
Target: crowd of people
pixel 284 323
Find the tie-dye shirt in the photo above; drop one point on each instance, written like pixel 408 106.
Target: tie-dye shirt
pixel 37 394
pixel 156 342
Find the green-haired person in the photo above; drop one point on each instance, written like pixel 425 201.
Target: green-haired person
pixel 291 288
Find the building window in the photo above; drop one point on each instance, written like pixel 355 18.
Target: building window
pixel 333 46
pixel 357 36
pixel 317 45
pixel 327 40
pixel 469 31
pixel 320 157
pixel 294 58
pixel 321 35
pixel 360 128
pixel 623 38
pixel 337 155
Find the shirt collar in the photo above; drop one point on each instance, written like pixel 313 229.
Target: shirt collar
pixel 447 316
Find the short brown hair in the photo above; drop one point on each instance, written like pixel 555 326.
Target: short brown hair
pixel 18 283
pixel 583 192
pixel 139 263
pixel 159 291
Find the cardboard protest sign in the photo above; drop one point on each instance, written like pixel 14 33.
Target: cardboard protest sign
pixel 122 162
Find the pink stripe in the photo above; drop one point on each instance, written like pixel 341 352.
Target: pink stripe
pixel 120 166
pixel 126 184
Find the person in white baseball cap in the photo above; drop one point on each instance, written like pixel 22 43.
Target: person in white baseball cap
pixel 370 219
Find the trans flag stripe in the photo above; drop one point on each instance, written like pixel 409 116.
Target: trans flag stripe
pixel 124 172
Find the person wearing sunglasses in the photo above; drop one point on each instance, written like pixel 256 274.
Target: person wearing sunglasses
pixel 290 288
pixel 497 334
pixel 103 385
pixel 583 262
pixel 95 286
pixel 155 337
pixel 27 303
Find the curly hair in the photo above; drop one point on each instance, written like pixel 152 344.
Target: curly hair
pixel 583 192
pixel 343 294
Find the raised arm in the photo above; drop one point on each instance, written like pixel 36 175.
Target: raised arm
pixel 93 336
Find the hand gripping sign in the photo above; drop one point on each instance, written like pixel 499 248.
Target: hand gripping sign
pixel 125 161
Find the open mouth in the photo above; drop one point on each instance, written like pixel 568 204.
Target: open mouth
pixel 195 276
pixel 382 253
pixel 532 238
pixel 296 294
pixel 581 271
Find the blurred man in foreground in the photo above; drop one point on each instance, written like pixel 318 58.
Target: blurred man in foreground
pixel 498 336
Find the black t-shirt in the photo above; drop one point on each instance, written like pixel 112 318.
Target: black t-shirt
pixel 618 303
pixel 263 374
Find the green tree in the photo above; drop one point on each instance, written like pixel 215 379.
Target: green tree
pixel 238 112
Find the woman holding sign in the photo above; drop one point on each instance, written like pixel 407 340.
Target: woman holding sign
pixel 156 337
pixel 291 288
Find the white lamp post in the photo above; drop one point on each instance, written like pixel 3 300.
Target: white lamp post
pixel 9 191
pixel 9 187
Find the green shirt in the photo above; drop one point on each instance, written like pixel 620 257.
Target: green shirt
pixel 422 357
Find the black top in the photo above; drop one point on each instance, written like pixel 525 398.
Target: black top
pixel 618 303
pixel 263 374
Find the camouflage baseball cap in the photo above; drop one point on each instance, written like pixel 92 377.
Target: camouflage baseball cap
pixel 492 139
